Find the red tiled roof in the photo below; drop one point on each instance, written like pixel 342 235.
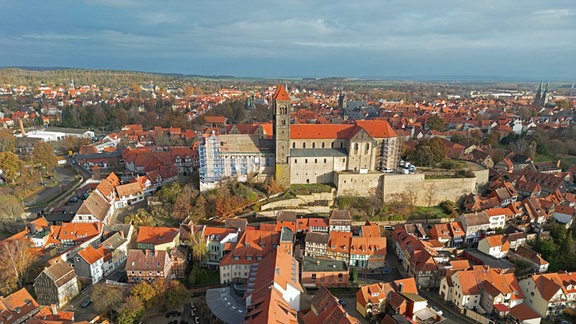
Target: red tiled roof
pixel 156 235
pixel 90 254
pixel 281 93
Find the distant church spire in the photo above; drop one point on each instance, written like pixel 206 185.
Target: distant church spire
pixel 542 97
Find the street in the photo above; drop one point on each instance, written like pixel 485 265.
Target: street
pixel 64 176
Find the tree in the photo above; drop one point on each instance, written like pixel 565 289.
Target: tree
pixel 198 210
pixel 436 123
pixel 176 294
pixel 17 258
pixel 44 156
pixel 7 141
pixel 197 243
pixel 140 218
pixel 10 165
pixel 354 275
pixel 146 293
pixel 169 194
pixel 131 311
pixel 12 209
pixel 106 297
pixel 428 152
pixel 183 205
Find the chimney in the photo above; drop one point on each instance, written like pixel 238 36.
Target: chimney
pixel 22 131
pixel 54 309
pixel 32 228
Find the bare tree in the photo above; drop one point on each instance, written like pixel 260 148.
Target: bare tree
pixel 17 258
pixel 430 193
pixel 11 210
pixel 106 297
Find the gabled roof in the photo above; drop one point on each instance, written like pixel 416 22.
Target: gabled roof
pixel 523 312
pixel 268 306
pixel 128 189
pixel 156 235
pixel 326 309
pixel 60 273
pixel 16 306
pixel 95 205
pixel 280 93
pixel 78 232
pixel 140 260
pixel 90 254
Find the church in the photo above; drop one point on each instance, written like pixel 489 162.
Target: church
pixel 296 153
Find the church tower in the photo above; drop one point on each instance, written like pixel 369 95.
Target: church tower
pixel 281 105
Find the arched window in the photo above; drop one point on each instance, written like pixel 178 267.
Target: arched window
pixel 355 146
pixel 322 144
pixel 313 145
pixel 295 161
pixel 304 145
pixel 293 145
pixel 315 160
pixel 305 160
pixel 367 146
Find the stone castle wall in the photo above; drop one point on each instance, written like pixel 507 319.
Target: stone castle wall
pixel 426 192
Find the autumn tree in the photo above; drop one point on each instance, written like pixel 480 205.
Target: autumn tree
pixel 197 244
pixel 17 257
pixel 176 294
pixel 428 152
pixel 10 165
pixel 44 156
pixel 7 141
pixel 131 311
pixel 169 193
pixel 105 297
pixel 140 218
pixel 183 208
pixel 198 210
pixel 72 143
pixel 12 209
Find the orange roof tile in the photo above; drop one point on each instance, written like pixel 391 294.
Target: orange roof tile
pixel 90 254
pixel 156 235
pixel 281 93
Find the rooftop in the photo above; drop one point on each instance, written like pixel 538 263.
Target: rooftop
pixel 323 265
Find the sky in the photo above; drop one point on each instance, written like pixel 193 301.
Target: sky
pixel 532 39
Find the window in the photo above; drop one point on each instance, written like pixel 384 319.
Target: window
pixel 313 145
pixel 322 144
pixel 295 161
pixel 305 160
pixel 340 277
pixel 324 160
pixel 303 145
pixel 315 160
pixel 294 145
pixel 313 277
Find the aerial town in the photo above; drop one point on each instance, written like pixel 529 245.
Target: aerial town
pixel 159 199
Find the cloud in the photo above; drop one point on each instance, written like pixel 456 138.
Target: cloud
pixel 54 37
pixel 302 36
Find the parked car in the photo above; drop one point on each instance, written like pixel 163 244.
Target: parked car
pixel 437 310
pixel 86 303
